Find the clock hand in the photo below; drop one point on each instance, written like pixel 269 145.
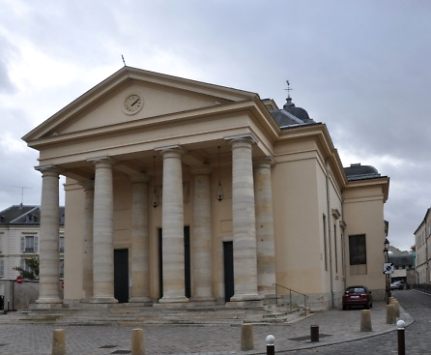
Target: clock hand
pixel 135 102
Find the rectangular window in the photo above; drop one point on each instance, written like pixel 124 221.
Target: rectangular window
pixel 325 243
pixel 1 268
pixel 61 267
pixel 29 244
pixel 336 248
pixel 357 249
pixel 61 244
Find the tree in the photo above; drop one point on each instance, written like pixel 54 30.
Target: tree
pixel 31 271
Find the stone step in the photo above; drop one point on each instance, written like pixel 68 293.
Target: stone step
pixel 129 313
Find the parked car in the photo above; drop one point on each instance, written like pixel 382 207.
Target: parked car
pixel 397 285
pixel 357 296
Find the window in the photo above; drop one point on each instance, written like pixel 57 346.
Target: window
pixel 61 268
pixel 336 248
pixel 357 249
pixel 325 243
pixel 61 244
pixel 1 268
pixel 29 244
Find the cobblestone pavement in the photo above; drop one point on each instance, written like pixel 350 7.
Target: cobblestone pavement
pixel 335 326
pixel 418 341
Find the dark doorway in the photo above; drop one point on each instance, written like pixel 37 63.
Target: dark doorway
pixel 187 284
pixel 187 279
pixel 229 286
pixel 159 234
pixel 121 275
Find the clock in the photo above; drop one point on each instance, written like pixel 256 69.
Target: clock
pixel 133 103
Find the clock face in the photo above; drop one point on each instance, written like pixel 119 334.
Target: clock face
pixel 133 104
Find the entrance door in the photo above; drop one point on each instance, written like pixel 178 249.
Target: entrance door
pixel 121 275
pixel 187 279
pixel 229 286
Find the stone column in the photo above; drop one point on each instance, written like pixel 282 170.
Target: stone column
pixel 173 227
pixel 103 253
pixel 87 277
pixel 140 240
pixel 264 229
pixel 49 234
pixel 202 236
pixel 243 218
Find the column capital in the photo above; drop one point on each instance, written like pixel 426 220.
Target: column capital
pixel 139 178
pixel 48 169
pixel 177 149
pixel 87 185
pixel 105 160
pixel 264 162
pixel 242 138
pixel 201 170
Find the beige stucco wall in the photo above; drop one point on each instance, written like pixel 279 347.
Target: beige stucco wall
pixel 305 190
pixel 363 213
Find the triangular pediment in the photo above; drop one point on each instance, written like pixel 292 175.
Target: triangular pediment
pixel 133 94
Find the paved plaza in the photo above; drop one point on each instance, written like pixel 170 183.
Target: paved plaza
pixel 335 326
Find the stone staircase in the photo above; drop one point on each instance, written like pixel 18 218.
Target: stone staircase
pixel 132 314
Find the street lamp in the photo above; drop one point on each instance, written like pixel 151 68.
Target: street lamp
pixel 387 274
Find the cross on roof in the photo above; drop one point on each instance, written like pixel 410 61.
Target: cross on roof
pixel 289 89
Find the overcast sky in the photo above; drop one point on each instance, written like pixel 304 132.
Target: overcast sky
pixel 362 67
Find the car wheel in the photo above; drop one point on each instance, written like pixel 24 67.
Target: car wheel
pixel 371 305
pixel 367 306
pixel 344 307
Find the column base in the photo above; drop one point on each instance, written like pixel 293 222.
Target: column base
pixel 246 297
pixel 203 301
pixel 101 300
pixel 144 300
pixel 46 304
pixel 173 299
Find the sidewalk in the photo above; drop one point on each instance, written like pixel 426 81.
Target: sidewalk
pixel 335 326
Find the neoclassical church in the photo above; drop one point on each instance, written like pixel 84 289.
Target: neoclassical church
pixel 184 192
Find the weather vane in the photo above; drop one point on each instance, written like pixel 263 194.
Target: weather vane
pixel 124 61
pixel 289 89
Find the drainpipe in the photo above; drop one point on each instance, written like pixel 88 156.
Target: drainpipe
pixel 328 209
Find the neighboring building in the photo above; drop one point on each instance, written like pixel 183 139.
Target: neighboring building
pixel 404 266
pixel 182 191
pixel 423 249
pixel 19 238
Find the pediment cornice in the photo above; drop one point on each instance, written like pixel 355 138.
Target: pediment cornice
pixel 133 75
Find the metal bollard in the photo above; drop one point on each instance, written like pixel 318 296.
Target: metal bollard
pixel 314 333
pixel 401 337
pixel 270 347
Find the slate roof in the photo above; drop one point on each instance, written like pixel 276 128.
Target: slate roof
pixel 361 172
pixel 24 215
pixel 291 115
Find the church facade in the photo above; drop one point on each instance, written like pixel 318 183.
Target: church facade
pixel 179 191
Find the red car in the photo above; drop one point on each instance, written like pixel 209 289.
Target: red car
pixel 357 296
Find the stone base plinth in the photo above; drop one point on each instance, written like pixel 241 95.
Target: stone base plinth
pixel 246 297
pixel 45 306
pixel 146 301
pixel 178 299
pixel 202 301
pixel 102 300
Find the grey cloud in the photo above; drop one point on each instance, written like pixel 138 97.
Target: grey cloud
pixel 361 67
